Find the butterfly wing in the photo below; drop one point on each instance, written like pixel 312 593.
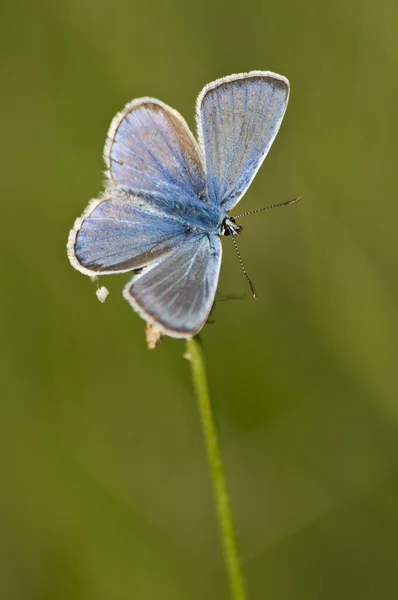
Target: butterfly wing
pixel 152 218
pixel 177 294
pixel 238 118
pixel 117 235
pixel 151 149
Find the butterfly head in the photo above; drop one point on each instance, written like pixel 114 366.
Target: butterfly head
pixel 229 227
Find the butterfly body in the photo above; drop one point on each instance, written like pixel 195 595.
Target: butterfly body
pixel 194 213
pixel 168 197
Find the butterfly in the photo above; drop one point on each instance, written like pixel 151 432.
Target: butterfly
pixel 167 197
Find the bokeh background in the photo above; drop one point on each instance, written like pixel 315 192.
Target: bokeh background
pixel 105 492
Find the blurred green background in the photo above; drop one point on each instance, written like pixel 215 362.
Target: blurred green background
pixel 105 492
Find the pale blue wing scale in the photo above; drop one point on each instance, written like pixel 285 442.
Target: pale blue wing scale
pixel 151 149
pixel 238 118
pixel 178 293
pixel 118 235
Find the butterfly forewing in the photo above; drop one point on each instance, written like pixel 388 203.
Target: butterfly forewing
pixel 238 119
pixel 151 149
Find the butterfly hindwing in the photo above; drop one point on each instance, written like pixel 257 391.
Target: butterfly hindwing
pixel 178 293
pixel 118 235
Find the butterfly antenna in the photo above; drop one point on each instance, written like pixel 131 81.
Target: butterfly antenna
pixel 249 281
pixel 251 212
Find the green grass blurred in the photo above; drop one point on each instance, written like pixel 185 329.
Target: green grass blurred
pixel 105 491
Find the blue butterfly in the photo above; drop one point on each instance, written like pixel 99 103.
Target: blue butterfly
pixel 167 197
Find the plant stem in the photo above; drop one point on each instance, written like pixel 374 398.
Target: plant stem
pixel 223 505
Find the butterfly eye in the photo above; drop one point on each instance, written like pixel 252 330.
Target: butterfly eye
pixel 229 227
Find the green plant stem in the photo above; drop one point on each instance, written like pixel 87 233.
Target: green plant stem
pixel 224 513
